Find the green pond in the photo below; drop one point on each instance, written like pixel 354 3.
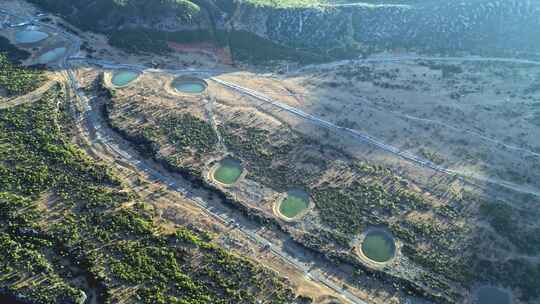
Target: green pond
pixel 229 171
pixel 30 36
pixel 492 295
pixel 189 86
pixel 295 202
pixel 52 55
pixel 122 78
pixel 378 246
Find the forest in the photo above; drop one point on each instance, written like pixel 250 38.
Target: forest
pixel 16 79
pixel 69 229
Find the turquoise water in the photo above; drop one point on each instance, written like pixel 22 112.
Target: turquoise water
pixel 378 246
pixel 122 78
pixel 52 55
pixel 295 202
pixel 492 295
pixel 30 36
pixel 189 86
pixel 229 171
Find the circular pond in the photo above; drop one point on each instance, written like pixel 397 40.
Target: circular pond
pixel 124 77
pixel 492 295
pixel 378 246
pixel 228 171
pixel 30 36
pixel 295 202
pixel 52 55
pixel 189 85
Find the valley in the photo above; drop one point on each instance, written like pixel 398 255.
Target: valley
pixel 379 179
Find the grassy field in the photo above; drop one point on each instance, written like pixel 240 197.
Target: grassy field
pixel 18 80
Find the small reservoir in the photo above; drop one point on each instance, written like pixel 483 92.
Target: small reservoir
pixel 52 55
pixel 295 202
pixel 378 246
pixel 30 36
pixel 124 77
pixel 228 171
pixel 189 85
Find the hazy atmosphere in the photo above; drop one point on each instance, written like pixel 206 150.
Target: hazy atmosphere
pixel 269 151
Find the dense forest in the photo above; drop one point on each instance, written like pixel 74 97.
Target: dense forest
pixel 18 80
pixel 70 230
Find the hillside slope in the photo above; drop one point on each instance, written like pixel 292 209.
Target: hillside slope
pixel 324 31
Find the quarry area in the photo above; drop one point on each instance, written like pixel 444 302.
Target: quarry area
pixel 398 177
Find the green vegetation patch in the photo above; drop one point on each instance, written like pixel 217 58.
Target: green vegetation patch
pixel 246 46
pixel 266 155
pixel 185 136
pixel 512 224
pixel 66 219
pixel 18 80
pixel 30 36
pixel 515 273
pixel 143 40
pixel 189 85
pixel 91 16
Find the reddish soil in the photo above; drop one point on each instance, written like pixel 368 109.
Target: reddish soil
pixel 222 55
